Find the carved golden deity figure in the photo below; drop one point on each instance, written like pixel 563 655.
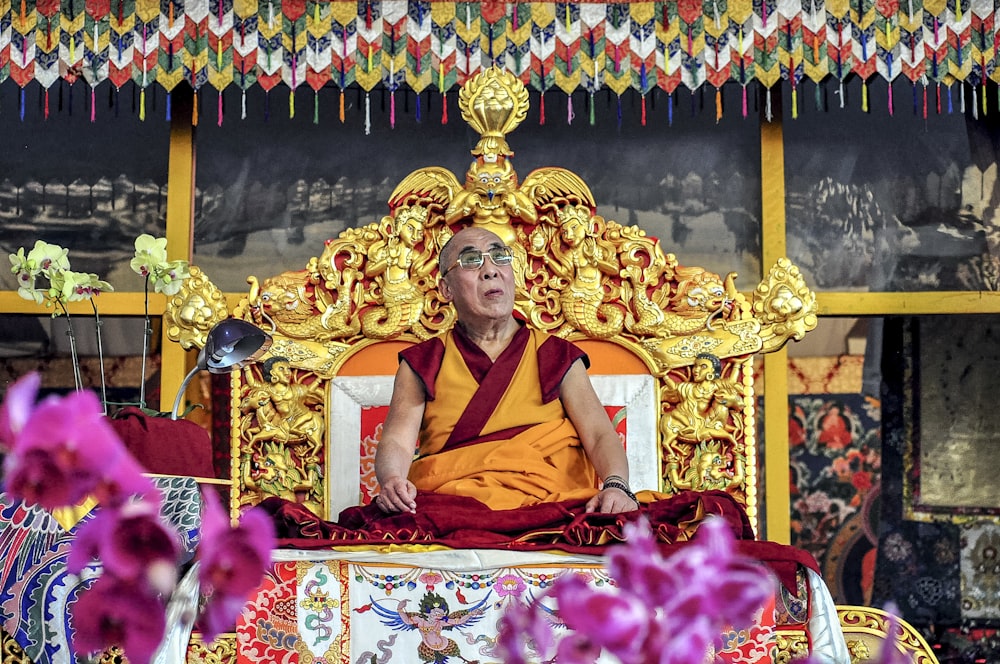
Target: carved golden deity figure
pixel 397 266
pixel 494 104
pixel 701 411
pixel 582 264
pixel 490 198
pixel 284 411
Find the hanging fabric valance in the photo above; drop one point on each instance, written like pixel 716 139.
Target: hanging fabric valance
pixel 432 45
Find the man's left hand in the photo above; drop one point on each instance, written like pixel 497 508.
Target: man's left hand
pixel 611 501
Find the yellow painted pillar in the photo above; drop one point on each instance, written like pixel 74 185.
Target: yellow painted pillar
pixel 776 464
pixel 175 361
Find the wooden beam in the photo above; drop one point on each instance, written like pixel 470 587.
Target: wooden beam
pixel 109 304
pixel 176 362
pixel 908 304
pixel 776 483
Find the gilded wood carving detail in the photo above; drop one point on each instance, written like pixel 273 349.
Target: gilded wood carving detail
pixel 579 276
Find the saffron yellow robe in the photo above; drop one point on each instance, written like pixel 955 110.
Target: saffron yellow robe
pixel 497 431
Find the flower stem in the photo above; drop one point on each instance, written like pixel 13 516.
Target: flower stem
pixel 147 332
pixel 100 355
pixel 77 379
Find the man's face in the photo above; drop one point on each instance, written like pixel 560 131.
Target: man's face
pixel 480 294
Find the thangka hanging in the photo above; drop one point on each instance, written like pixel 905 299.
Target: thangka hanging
pixel 435 45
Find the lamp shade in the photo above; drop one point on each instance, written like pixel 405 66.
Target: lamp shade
pixel 230 344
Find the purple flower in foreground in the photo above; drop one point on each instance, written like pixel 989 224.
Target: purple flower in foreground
pixel 64 450
pixel 116 612
pixel 640 568
pixel 233 562
pixel 132 543
pixel 523 627
pixel 122 480
pixel 16 408
pixel 714 580
pixel 35 477
pixel 616 621
pixel 665 611
pixel 576 648
pixel 219 615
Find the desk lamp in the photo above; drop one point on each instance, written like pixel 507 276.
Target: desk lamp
pixel 231 344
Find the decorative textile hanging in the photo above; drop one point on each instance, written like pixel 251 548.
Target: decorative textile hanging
pixel 214 45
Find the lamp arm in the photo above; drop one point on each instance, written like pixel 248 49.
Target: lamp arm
pixel 183 389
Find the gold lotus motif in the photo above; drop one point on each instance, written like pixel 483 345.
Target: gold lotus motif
pixel 494 103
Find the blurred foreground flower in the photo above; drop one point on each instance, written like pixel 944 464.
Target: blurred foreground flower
pixel 663 610
pixel 60 451
pixel 232 562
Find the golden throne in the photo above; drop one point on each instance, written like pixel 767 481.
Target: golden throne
pixel 671 352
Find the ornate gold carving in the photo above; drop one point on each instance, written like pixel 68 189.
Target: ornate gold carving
pixel 870 630
pixel 784 305
pixel 270 469
pixel 793 645
pixel 580 265
pixel 10 650
pixel 398 267
pixel 858 650
pixel 319 358
pixel 291 305
pixel 700 433
pixel 194 310
pixel 282 427
pixel 220 651
pixel 493 102
pixel 284 410
pixel 577 274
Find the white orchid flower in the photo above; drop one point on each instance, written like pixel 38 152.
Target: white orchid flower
pixel 150 253
pixel 25 276
pixel 47 258
pixel 169 277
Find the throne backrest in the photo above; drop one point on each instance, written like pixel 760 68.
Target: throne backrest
pixel 670 345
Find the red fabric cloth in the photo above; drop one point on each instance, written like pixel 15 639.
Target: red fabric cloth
pixel 465 523
pixel 165 446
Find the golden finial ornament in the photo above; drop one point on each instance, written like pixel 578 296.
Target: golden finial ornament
pixel 494 103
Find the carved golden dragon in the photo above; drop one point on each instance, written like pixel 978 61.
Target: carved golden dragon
pixel 288 304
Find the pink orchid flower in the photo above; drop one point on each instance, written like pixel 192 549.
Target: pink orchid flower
pixel 65 450
pixel 132 543
pixel 232 561
pixel 616 621
pixel 524 627
pixel 15 411
pixel 219 615
pixel 117 612
pixel 665 610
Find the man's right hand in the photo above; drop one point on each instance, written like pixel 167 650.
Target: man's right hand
pixel 397 494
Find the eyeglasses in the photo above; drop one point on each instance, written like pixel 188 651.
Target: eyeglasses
pixel 473 259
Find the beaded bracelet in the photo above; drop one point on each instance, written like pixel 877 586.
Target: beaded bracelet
pixel 617 482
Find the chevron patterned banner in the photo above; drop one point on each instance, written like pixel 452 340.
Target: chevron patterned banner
pixel 283 45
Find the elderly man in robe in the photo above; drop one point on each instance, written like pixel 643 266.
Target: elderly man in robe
pixel 502 413
pixel 495 437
